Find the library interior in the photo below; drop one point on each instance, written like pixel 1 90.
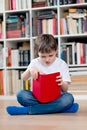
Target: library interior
pixel 21 21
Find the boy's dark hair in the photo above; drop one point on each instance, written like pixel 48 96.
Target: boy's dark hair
pixel 46 43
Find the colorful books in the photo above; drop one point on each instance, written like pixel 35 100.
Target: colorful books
pixel 45 88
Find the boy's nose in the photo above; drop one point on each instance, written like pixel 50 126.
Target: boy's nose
pixel 47 59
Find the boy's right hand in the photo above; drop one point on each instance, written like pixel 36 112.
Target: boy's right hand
pixel 34 73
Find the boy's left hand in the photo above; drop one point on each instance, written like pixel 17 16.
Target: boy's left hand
pixel 59 80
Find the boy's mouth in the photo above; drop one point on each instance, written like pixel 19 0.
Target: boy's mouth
pixel 47 63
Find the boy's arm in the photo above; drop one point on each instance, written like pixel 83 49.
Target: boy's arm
pixel 30 72
pixel 63 84
pixel 26 74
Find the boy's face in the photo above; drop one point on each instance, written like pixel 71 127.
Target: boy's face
pixel 47 58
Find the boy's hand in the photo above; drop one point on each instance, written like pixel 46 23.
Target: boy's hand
pixel 34 73
pixel 59 80
pixel 62 84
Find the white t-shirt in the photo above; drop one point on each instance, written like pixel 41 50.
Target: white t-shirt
pixel 57 66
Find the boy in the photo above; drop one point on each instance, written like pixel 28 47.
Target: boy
pixel 46 63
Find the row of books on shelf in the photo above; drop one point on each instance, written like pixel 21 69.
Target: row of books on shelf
pixel 42 3
pixel 79 84
pixel 17 4
pixel 75 17
pixel 18 26
pixel 20 4
pixel 16 57
pixel 79 79
pixel 74 53
pixel 45 22
pixel 14 83
pixel 81 69
pixel 64 2
pixel 44 26
pixel 26 4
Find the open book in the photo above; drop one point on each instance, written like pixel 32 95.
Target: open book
pixel 45 88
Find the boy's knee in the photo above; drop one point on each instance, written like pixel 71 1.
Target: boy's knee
pixel 68 99
pixel 19 93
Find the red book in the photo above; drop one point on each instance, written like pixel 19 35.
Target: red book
pixel 54 27
pixel 9 62
pixel 1 83
pixel 45 88
pixel 13 33
pixel 61 26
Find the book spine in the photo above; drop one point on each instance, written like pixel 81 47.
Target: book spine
pixel 65 2
pixel 14 4
pixel 21 57
pixel 61 2
pixel 1 57
pixel 1 82
pixel 22 29
pixel 9 57
pixel 13 33
pixel 26 57
pixel 54 28
pixel 27 27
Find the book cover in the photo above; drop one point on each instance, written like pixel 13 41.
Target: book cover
pixel 45 88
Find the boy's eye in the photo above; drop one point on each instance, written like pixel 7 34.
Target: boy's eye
pixel 50 55
pixel 42 56
pixel 45 56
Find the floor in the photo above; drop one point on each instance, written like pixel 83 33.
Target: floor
pixel 76 121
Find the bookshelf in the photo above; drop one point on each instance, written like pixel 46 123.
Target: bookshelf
pixel 21 22
pixel 73 33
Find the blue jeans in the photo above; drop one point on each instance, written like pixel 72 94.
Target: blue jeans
pixel 26 98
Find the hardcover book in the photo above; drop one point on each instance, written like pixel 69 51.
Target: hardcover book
pixel 45 88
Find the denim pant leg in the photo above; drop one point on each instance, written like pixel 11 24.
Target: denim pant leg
pixel 64 102
pixel 26 98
